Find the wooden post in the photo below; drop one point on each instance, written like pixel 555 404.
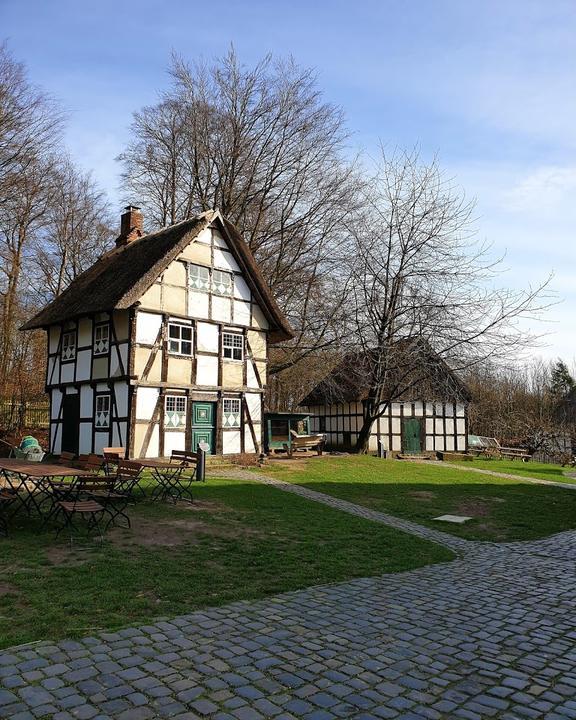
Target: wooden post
pixel 201 466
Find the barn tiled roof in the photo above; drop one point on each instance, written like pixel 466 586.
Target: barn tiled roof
pixel 120 277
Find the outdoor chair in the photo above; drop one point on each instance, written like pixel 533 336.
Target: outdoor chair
pixel 66 458
pixel 90 462
pixel 106 492
pixel 189 462
pixel 127 478
pixel 112 456
pixel 6 499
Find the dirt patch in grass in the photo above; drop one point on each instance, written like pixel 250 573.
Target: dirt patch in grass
pixel 474 507
pixel 7 589
pixel 422 495
pixel 70 556
pixel 162 533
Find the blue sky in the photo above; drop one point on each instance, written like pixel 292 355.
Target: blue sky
pixel 489 86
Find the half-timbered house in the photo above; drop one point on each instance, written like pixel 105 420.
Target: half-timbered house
pixel 162 344
pixel 430 417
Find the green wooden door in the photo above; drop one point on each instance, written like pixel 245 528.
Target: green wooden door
pixel 411 436
pixel 203 425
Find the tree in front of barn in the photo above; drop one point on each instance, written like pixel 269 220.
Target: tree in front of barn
pixel 424 291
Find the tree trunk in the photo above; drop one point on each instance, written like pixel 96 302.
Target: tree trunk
pixel 364 434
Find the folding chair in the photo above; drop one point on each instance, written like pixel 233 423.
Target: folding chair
pixel 112 456
pixel 127 479
pixel 90 462
pixel 66 458
pixel 6 499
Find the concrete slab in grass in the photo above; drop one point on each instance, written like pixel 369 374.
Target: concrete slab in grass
pixel 459 519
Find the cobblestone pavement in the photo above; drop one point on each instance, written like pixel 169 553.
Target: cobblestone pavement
pixel 490 635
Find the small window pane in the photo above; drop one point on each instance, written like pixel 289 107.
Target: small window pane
pixel 69 345
pixel 222 282
pixel 199 277
pixel 175 411
pixel 231 412
pixel 233 346
pixel 101 339
pixel 179 339
pixel 102 417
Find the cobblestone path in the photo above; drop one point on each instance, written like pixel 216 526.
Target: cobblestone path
pixel 490 635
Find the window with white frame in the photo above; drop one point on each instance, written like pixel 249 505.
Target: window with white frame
pixel 231 412
pixel 69 345
pixel 102 415
pixel 199 277
pixel 222 282
pixel 175 411
pixel 180 338
pixel 233 346
pixel 101 339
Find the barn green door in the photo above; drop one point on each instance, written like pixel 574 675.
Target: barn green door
pixel 411 436
pixel 203 427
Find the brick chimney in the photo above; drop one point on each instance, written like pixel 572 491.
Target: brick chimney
pixel 130 225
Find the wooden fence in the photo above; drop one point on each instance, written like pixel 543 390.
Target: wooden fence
pixel 24 414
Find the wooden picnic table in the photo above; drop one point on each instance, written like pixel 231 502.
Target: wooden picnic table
pixel 34 479
pixel 168 475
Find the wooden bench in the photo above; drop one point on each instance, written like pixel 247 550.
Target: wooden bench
pixel 304 442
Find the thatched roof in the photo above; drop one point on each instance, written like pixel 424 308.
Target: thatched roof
pixel 426 375
pixel 120 277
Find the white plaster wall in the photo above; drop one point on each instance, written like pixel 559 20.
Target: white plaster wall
pixel 55 402
pixel 147 327
pixel 449 443
pixel 418 408
pixel 254 403
pixel 221 309
pixel 198 304
pixel 460 427
pixel 119 434
pixel 84 332
pixel 439 426
pixel 67 372
pixel 258 319
pixel 121 396
pixel 231 442
pixel 242 314
pixel 460 410
pixel 86 407
pixel 207 370
pixel 173 441
pixel 241 289
pixel 83 364
pixel 205 237
pixel 101 440
pixel 251 379
pixel 56 438
pixel 207 337
pixel 85 444
pixel 54 338
pixel 217 238
pixel 146 399
pixel 224 260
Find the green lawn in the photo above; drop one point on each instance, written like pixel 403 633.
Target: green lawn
pixel 241 540
pixel 503 509
pixel 543 471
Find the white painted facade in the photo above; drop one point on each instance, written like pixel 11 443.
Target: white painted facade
pixel 443 426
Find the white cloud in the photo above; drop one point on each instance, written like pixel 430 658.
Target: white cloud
pixel 547 189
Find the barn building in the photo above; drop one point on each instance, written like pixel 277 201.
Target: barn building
pixel 432 417
pixel 162 344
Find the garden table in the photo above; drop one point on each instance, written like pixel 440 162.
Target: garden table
pixel 28 480
pixel 169 479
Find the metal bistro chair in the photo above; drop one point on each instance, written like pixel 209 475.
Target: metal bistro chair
pixel 127 479
pixel 79 504
pixel 112 456
pixel 6 499
pixel 91 462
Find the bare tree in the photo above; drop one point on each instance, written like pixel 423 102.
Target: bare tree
pixel 263 146
pixel 424 291
pixel 77 229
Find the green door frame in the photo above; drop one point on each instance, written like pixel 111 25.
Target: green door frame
pixel 412 435
pixel 203 424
